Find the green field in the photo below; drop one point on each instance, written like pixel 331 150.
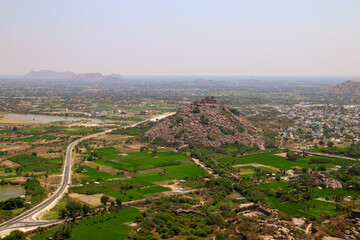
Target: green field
pixel 172 172
pixel 273 160
pixel 136 160
pixel 33 163
pixel 109 226
pixel 306 209
pixel 142 160
pixel 316 206
pixel 36 138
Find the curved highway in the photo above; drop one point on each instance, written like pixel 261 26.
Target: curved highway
pixel 26 220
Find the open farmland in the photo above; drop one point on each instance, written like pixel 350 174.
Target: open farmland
pixel 321 200
pixel 94 175
pixel 100 227
pixel 137 160
pixel 36 138
pixel 273 160
pixel 32 163
pixel 169 166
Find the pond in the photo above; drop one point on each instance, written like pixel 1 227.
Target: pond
pixel 10 191
pixel 34 118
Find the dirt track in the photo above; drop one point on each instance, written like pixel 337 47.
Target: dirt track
pixel 257 165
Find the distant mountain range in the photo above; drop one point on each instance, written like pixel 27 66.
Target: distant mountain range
pixel 347 88
pixel 52 75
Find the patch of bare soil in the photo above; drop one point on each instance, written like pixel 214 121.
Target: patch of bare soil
pixel 92 200
pixel 20 179
pixel 10 164
pixel 151 170
pixel 78 176
pixel 42 151
pixel 131 224
pixel 52 180
pixel 281 154
pixel 257 165
pixel 174 185
pixel 120 178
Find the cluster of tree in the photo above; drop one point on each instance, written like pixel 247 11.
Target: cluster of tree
pixel 197 224
pixel 34 189
pixel 250 191
pixel 93 156
pixel 351 151
pixel 134 131
pixel 15 235
pixel 12 203
pixel 106 186
pixel 292 156
pixel 73 209
pixel 62 233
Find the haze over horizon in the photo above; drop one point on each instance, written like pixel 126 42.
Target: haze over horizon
pixel 221 38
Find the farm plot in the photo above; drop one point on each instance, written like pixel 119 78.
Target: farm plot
pixel 137 160
pixel 32 163
pixel 313 207
pixel 94 175
pixel 109 226
pixel 274 160
pixel 36 138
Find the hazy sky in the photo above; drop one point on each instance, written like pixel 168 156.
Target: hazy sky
pixel 181 37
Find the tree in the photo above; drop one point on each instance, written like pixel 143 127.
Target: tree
pixel 15 235
pixel 63 233
pixel 74 208
pixel 104 199
pixel 292 156
pixel 118 202
pixel 330 144
pixel 41 230
pixel 86 209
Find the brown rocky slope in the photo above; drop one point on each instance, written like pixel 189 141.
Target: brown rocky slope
pixel 208 122
pixel 346 88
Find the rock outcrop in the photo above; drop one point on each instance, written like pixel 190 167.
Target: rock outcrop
pixel 208 122
pixel 348 88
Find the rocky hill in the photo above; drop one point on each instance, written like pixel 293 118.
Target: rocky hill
pixel 346 88
pixel 209 122
pixel 89 77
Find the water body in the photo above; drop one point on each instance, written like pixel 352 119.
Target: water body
pixel 10 191
pixel 34 118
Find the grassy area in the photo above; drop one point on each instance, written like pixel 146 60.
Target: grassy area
pixel 94 175
pixel 136 160
pixel 32 163
pixel 172 172
pixel 273 160
pixel 36 138
pixel 53 214
pixel 312 207
pixel 306 209
pixel 109 226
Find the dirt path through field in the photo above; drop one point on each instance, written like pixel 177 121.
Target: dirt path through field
pixel 257 165
pixel 202 165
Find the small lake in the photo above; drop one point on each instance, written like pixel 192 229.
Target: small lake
pixel 10 191
pixel 34 118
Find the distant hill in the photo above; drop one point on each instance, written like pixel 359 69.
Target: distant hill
pixel 49 75
pixel 347 88
pixel 208 122
pixel 52 75
pixel 89 77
